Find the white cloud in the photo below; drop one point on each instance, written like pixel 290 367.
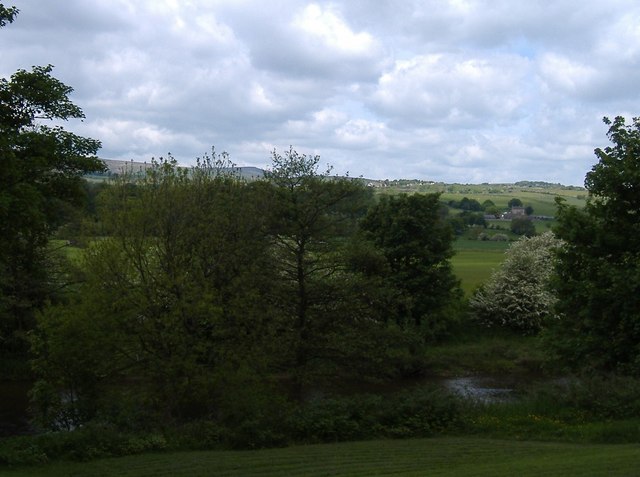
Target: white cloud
pixel 333 32
pixel 463 90
pixel 364 134
pixel 454 89
pixel 566 76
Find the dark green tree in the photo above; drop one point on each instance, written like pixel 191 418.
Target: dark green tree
pixel 488 204
pixel 599 269
pixel 515 203
pixel 41 171
pixel 313 217
pixel 417 244
pixel 523 226
pixel 172 301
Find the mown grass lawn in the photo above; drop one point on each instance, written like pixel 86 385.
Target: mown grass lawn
pixel 416 457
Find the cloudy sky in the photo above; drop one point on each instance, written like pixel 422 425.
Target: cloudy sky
pixel 457 91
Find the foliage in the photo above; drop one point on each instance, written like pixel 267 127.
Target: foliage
pixel 320 300
pixel 40 174
pixel 598 272
pixel 7 14
pixel 587 409
pixel 518 295
pixel 523 226
pixel 171 301
pixel 416 242
pixel 263 423
pixel 420 412
pixel 204 285
pixel 515 202
pixel 467 204
pixel 89 443
pixel 478 351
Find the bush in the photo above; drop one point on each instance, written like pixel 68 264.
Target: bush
pixel 90 442
pixel 421 412
pixel 523 226
pixel 255 422
pixel 605 397
pixel 518 295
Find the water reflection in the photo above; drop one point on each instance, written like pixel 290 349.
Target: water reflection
pixel 481 389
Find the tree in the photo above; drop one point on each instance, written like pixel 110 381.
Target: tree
pixel 172 301
pixel 598 272
pixel 417 244
pixel 487 204
pixel 7 14
pixel 514 203
pixel 518 296
pixel 466 204
pixel 41 171
pixel 312 218
pixel 523 226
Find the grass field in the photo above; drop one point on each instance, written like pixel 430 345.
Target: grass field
pixel 474 261
pixel 458 457
pixel 542 199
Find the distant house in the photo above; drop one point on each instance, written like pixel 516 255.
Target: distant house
pixel 514 212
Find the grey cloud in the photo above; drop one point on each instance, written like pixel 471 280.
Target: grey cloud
pixel 459 91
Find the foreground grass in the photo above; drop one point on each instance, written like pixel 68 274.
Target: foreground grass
pixel 417 457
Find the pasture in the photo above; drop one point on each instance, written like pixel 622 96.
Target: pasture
pixel 540 197
pixel 474 261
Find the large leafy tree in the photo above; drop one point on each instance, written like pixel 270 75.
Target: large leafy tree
pixel 172 298
pixel 313 216
pixel 40 171
pixel 416 242
pixel 599 269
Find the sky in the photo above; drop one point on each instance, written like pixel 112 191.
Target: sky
pixel 460 91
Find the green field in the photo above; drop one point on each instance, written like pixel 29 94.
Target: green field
pixel 474 261
pixel 542 199
pixel 458 457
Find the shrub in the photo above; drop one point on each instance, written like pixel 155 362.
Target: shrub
pixel 90 442
pixel 420 412
pixel 500 238
pixel 518 295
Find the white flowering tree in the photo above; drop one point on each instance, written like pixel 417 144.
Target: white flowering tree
pixel 518 295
